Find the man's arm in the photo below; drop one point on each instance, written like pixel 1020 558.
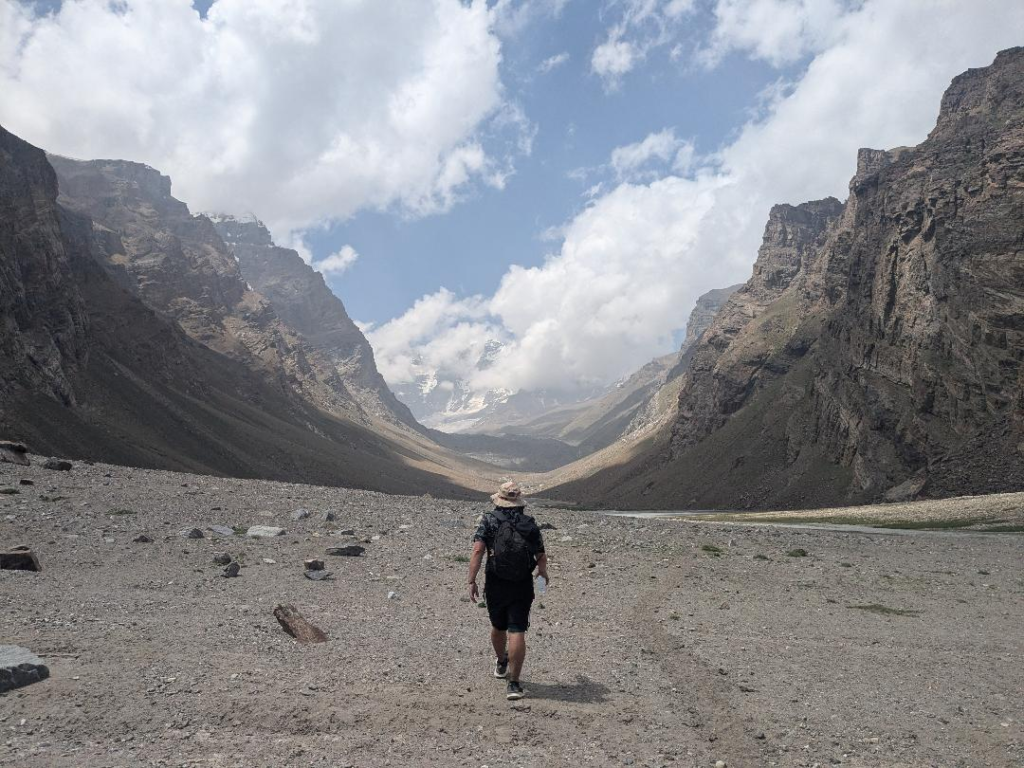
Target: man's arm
pixel 474 568
pixel 542 566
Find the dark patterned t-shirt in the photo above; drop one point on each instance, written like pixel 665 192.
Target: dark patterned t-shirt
pixel 487 530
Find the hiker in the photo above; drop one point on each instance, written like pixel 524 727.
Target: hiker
pixel 514 547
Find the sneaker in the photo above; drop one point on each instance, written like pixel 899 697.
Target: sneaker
pixel 514 690
pixel 501 668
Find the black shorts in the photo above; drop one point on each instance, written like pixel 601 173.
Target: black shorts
pixel 508 603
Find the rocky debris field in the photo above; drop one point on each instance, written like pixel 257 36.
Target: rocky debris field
pixel 658 643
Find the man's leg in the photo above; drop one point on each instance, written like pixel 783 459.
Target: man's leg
pixel 498 637
pixel 516 653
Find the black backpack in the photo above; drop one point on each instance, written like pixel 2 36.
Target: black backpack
pixel 512 558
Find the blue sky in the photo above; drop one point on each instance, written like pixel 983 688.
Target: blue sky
pixel 452 192
pixel 579 122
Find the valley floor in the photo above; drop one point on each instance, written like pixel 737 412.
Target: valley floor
pixel 659 643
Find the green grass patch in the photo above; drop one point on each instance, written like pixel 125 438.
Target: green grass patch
pixel 674 616
pixel 1003 529
pixel 240 530
pixel 797 553
pixel 712 550
pixel 884 610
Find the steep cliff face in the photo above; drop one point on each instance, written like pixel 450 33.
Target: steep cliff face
pixel 42 318
pixel 739 351
pixel 302 300
pixel 877 350
pixel 180 267
pixel 920 366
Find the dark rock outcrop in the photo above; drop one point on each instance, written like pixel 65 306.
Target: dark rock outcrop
pixel 877 352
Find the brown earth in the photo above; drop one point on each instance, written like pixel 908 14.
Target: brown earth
pixel 659 643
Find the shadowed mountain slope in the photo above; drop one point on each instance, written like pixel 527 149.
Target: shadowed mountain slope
pixel 88 370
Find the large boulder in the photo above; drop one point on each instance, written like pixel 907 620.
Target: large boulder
pixel 13 453
pixel 19 666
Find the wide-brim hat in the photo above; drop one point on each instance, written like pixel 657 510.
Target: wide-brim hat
pixel 509 495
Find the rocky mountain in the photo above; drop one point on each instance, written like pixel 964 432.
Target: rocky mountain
pixel 877 350
pixel 626 410
pixel 307 306
pixel 446 401
pixel 133 339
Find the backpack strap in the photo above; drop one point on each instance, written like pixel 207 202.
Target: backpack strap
pixel 498 515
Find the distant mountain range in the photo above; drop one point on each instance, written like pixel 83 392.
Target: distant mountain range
pixel 876 353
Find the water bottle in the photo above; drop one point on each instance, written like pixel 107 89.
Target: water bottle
pixel 542 584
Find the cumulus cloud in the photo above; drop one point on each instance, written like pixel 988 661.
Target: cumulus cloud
pixel 440 333
pixel 640 27
pixel 338 262
pixel 553 62
pixel 663 146
pixel 303 112
pixel 778 31
pixel 633 262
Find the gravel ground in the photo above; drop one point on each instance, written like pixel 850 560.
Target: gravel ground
pixel 659 643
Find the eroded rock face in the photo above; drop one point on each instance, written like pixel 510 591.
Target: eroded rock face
pixel 878 349
pixel 740 347
pixel 908 303
pixel 42 318
pixel 302 299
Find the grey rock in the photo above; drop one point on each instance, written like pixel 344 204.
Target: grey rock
pixel 327 517
pixel 222 558
pixel 191 533
pixel 264 531
pixel 347 532
pixel 318 575
pixel 25 481
pixel 13 453
pixel 9 491
pixel 142 539
pixel 58 465
pixel 300 514
pixel 353 550
pixel 221 530
pixel 19 666
pixel 19 558
pixel 547 527
pixel 313 564
pixel 231 571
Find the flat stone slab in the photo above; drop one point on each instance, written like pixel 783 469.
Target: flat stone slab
pixel 222 530
pixel 349 551
pixel 19 666
pixel 264 531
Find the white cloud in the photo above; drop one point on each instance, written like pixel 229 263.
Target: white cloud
pixel 613 59
pixel 338 262
pixel 441 333
pixel 303 112
pixel 640 27
pixel 511 17
pixel 778 31
pixel 633 262
pixel 663 146
pixel 553 62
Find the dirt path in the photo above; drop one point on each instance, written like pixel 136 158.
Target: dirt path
pixel 659 643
